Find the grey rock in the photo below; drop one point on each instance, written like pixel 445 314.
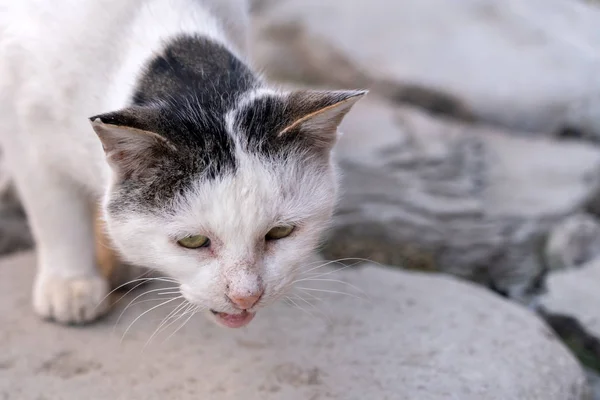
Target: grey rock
pixel 575 295
pixel 432 194
pixel 573 242
pixel 575 292
pixel 594 382
pixel 583 118
pixel 420 336
pixel 527 65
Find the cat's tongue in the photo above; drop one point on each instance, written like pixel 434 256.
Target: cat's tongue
pixel 235 320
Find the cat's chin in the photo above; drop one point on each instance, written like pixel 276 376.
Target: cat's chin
pixel 232 320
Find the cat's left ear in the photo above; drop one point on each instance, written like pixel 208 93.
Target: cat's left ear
pixel 318 114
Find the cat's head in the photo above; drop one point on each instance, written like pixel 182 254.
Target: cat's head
pixel 231 205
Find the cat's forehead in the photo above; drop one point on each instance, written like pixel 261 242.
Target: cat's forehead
pixel 254 198
pixel 255 185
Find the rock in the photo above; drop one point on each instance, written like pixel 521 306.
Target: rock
pixel 575 292
pixel 570 304
pixel 573 242
pixel 594 381
pixel 518 64
pixel 433 194
pixel 583 119
pixel 420 336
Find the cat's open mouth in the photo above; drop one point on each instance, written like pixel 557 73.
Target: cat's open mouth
pixel 234 320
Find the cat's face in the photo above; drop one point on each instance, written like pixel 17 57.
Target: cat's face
pixel 217 238
pixel 232 218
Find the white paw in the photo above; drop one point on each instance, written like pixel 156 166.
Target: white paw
pixel 70 301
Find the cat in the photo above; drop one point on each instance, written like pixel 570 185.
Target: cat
pixel 204 171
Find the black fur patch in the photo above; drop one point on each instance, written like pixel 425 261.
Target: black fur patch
pixel 262 121
pixel 197 81
pixel 184 95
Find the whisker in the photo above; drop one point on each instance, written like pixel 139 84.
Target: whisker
pixel 336 281
pixel 313 306
pixel 141 280
pixel 300 308
pixel 111 248
pixel 193 312
pixel 132 302
pixel 169 316
pixel 146 312
pixel 167 293
pixel 318 274
pixel 183 312
pixel 324 264
pixel 331 291
pixel 323 301
pixel 314 262
pixel 313 296
pixel 338 261
pixel 117 288
pixel 146 301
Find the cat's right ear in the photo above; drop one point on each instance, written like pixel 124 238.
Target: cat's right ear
pixel 130 151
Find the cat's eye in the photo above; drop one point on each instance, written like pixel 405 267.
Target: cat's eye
pixel 194 242
pixel 279 232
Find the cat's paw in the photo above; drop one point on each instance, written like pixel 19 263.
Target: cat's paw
pixel 70 301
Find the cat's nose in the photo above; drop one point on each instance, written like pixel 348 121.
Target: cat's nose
pixel 245 301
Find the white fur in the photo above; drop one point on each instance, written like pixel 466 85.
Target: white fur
pixel 63 61
pixel 236 213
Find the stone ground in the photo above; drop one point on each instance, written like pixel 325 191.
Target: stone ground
pixel 404 337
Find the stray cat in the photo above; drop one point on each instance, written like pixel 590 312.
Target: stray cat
pixel 205 172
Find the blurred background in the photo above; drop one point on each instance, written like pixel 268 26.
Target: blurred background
pixel 476 152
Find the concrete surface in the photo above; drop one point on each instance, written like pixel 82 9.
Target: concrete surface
pixel 423 337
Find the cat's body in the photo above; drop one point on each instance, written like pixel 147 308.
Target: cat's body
pixel 196 144
pixel 57 64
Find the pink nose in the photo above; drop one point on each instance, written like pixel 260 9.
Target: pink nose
pixel 244 302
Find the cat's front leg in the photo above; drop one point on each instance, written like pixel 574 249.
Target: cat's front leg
pixel 68 287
